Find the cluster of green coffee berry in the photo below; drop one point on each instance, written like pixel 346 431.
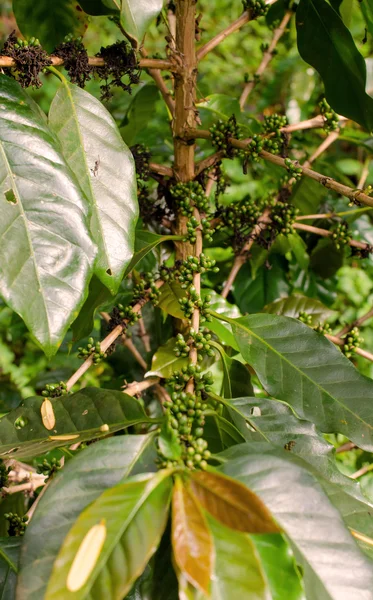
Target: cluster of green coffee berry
pixel 188 196
pixel 55 390
pixel 26 43
pixel 185 414
pixel 17 524
pixel 49 467
pixel 146 286
pixel 256 8
pixel 193 264
pixel 272 124
pixel 283 217
pixel 351 342
pixel 92 349
pixel 331 121
pixel 341 235
pixel 201 341
pixel 323 328
pixel 255 147
pixel 294 169
pixel 221 132
pixel 193 301
pixel 126 313
pixel 245 213
pixel 4 472
pixel 307 319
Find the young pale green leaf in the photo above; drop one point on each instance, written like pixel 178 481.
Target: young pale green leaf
pixel 165 361
pixel 300 366
pixel 232 503
pixel 88 414
pixel 221 306
pixel 322 544
pixel 169 299
pixel 81 481
pixel 299 249
pixel 325 43
pixel 291 306
pixel 46 253
pixel 132 516
pixel 168 442
pixel 136 16
pixel 9 555
pixel 191 538
pixel 50 22
pixel 96 153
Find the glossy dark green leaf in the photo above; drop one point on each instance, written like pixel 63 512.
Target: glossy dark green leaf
pixel 50 23
pixel 80 482
pixel 96 153
pixel 134 515
pixel 326 258
pixel 269 285
pixel 98 294
pixel 292 306
pixel 220 328
pixel 145 242
pixel 221 433
pixel 299 250
pixel 46 254
pixel 86 415
pixel 367 10
pixel 136 16
pixel 325 43
pixel 301 367
pixel 9 555
pixel 308 194
pixel 321 542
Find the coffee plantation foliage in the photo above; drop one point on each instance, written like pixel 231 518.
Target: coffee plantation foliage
pixel 186 281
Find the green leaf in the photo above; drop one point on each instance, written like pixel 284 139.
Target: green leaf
pixel 78 484
pixel 226 361
pixel 9 554
pixel 168 442
pixel 238 573
pixel 137 16
pixel 300 366
pixel 322 545
pixel 221 306
pixel 96 153
pixel 46 254
pixel 165 361
pixel 221 433
pixel 325 43
pixel 99 8
pixel 295 304
pixel 145 242
pixel 86 415
pixel 98 294
pixel 134 515
pixel 50 23
pixel 140 111
pixel 308 194
pixel 367 10
pixel 169 299
pixel 326 258
pixel 299 249
pixel 269 285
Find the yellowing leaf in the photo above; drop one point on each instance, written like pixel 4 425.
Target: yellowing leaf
pixel 232 503
pixel 86 557
pixel 191 538
pixel 47 414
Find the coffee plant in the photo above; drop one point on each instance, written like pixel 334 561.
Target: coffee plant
pixel 186 285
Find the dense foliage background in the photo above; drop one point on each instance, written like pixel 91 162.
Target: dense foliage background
pixel 318 278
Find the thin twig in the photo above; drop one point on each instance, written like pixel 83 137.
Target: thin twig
pixel 362 471
pixel 106 343
pixel 28 486
pixel 364 173
pixel 136 387
pixel 220 37
pixel 357 323
pixel 144 335
pixel 134 351
pixel 327 233
pixel 161 169
pixel 267 57
pixel 347 447
pixel 340 342
pixel 96 61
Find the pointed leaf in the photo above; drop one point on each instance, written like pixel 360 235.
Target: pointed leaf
pixel 95 151
pixel 46 254
pixel 169 299
pixel 98 294
pixel 48 22
pixel 165 361
pixel 145 242
pixel 300 366
pixel 325 43
pixel 232 503
pixel 86 415
pixel 134 515
pixel 9 554
pixel 81 481
pixel 191 538
pixel 221 306
pixel 291 306
pixel 137 16
pixel 322 545
pixel 168 442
